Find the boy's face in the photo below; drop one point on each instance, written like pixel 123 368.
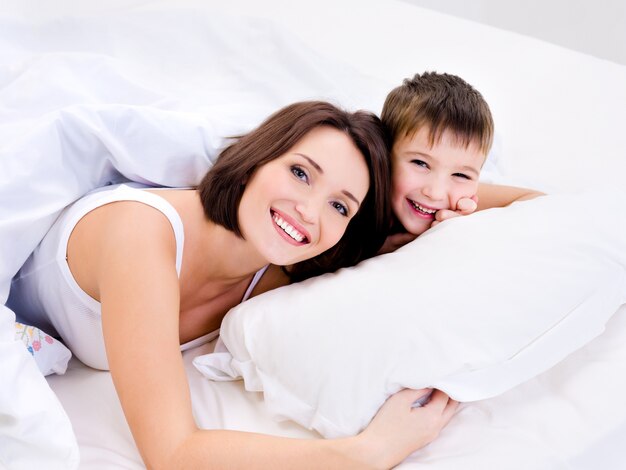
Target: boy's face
pixel 426 179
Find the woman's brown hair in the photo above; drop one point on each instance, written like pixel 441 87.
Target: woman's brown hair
pixel 223 186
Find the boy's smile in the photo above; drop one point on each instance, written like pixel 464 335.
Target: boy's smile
pixel 428 178
pixel 422 211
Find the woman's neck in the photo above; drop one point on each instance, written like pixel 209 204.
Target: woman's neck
pixel 213 253
pixel 232 256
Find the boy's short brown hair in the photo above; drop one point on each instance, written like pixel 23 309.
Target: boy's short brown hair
pixel 441 102
pixel 222 187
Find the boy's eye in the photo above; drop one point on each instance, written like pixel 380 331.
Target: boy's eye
pixel 343 210
pixel 462 175
pixel 421 163
pixel 299 173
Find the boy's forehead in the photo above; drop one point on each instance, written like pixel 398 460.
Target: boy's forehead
pixel 425 138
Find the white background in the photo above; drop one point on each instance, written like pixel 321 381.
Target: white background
pixel 597 27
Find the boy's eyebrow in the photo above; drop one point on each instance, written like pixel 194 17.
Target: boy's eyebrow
pixel 319 169
pixel 464 167
pixel 470 169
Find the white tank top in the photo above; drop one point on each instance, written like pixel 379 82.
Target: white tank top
pixel 45 294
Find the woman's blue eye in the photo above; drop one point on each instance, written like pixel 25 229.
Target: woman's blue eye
pixel 343 210
pixel 299 173
pixel 420 163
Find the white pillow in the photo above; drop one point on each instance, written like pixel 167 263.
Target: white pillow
pixel 474 307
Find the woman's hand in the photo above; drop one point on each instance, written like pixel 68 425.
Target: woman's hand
pixel 464 206
pixel 400 429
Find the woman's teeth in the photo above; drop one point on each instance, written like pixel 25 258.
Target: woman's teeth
pixel 422 209
pixel 288 229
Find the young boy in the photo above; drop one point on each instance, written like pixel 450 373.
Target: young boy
pixel 442 131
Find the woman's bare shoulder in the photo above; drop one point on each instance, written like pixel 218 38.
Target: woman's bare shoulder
pixel 111 230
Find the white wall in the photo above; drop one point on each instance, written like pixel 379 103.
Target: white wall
pixel 595 27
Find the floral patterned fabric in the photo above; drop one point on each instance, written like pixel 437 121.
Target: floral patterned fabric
pixel 50 354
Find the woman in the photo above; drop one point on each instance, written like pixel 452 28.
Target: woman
pixel 307 188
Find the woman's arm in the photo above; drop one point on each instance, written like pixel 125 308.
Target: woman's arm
pixel 138 289
pixel 394 433
pixel 139 293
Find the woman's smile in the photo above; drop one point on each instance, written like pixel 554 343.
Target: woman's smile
pixel 290 230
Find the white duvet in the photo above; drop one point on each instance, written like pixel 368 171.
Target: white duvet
pixel 92 93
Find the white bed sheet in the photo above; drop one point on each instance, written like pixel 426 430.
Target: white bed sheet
pixel 559 118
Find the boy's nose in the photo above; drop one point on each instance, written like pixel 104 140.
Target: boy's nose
pixel 435 190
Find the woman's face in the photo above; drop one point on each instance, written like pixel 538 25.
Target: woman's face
pixel 299 204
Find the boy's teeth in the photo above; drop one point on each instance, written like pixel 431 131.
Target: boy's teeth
pixel 288 229
pixel 423 209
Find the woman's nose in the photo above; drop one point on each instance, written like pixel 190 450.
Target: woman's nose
pixel 307 211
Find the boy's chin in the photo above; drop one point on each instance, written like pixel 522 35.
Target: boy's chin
pixel 416 229
pixel 409 226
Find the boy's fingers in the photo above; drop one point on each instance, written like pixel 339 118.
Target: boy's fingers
pixel 445 214
pixel 466 205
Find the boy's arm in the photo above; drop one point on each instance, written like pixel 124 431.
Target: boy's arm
pixel 487 197
pixel 495 195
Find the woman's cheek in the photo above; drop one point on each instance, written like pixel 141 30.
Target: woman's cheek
pixel 338 230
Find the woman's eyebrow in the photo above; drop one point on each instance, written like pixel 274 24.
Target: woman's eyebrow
pixel 349 194
pixel 312 162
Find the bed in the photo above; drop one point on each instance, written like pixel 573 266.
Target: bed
pixel 559 127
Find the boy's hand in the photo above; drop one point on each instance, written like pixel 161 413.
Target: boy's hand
pixel 395 241
pixel 465 206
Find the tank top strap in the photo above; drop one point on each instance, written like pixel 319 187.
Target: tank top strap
pixel 254 282
pixel 126 192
